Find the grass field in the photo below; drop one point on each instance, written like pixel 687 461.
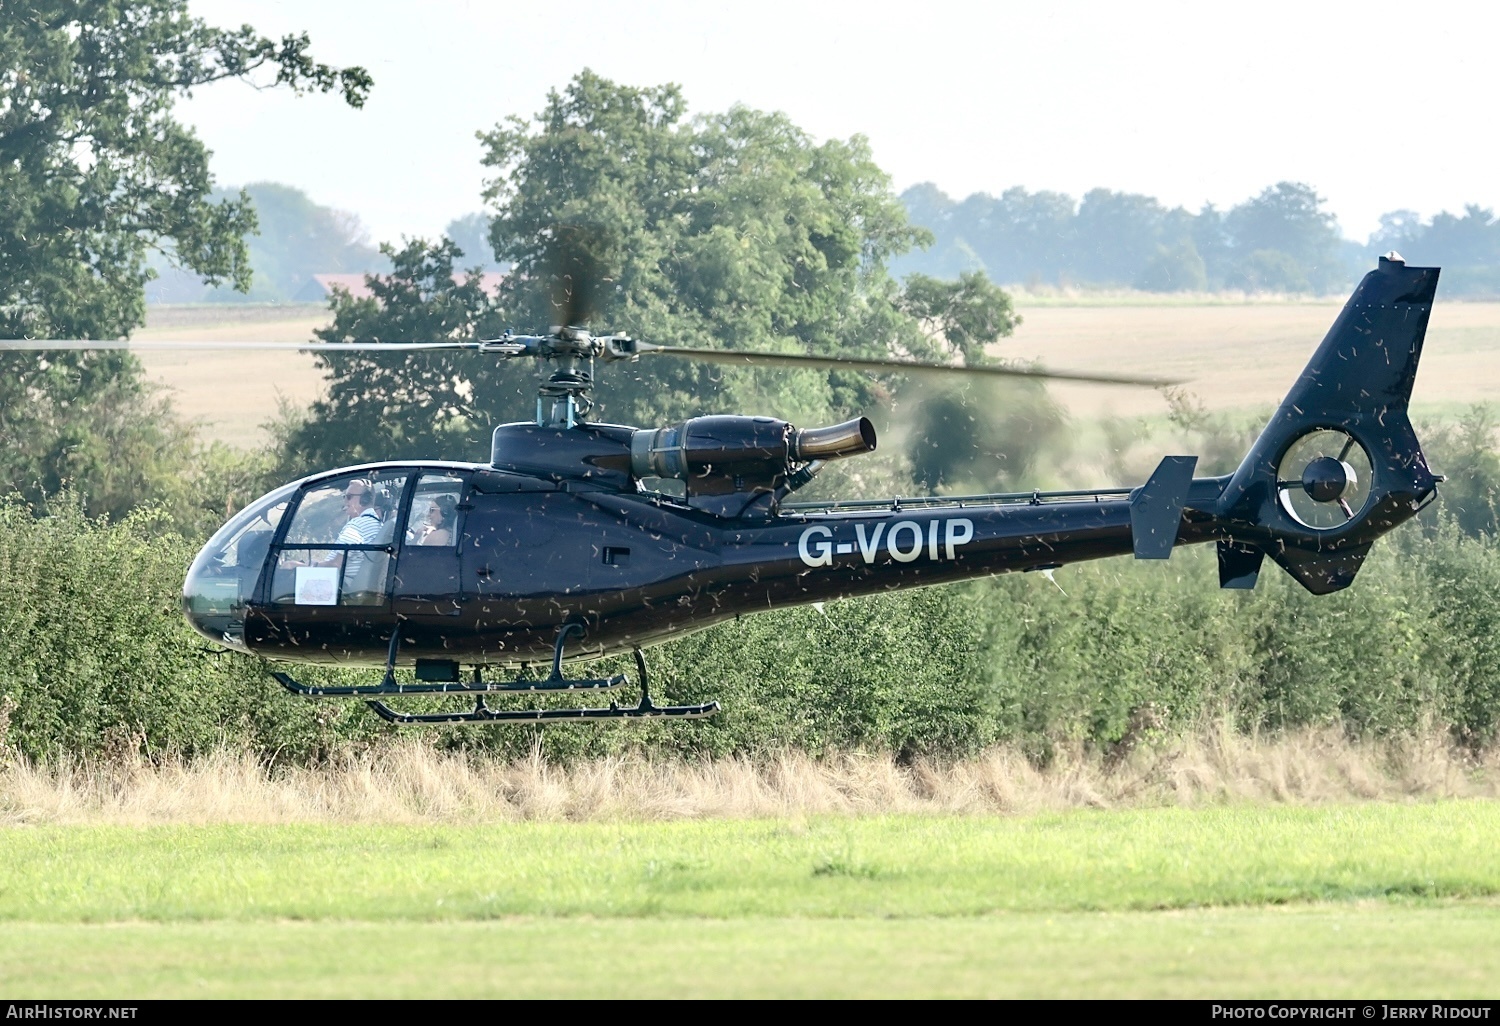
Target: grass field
pixel 822 867
pixel 1235 356
pixel 1364 951
pixel 1364 900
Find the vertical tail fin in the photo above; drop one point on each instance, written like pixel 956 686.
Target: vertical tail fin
pixel 1339 464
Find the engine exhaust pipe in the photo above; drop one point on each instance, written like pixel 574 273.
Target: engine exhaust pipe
pixel 697 445
pixel 830 443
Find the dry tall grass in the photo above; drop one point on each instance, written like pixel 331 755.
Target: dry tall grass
pixel 410 783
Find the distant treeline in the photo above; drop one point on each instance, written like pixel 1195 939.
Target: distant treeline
pixel 298 238
pixel 1282 240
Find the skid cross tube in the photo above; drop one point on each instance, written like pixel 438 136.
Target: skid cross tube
pixel 475 687
pixel 482 713
pixel 478 686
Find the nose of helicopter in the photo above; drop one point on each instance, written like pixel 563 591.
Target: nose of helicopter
pixel 212 601
pixel 219 585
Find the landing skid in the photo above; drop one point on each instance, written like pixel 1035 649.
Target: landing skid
pixel 388 686
pixel 481 713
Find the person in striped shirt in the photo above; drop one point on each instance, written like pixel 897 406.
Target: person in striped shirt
pixel 362 528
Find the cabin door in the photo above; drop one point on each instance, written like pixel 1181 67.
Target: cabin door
pixel 427 581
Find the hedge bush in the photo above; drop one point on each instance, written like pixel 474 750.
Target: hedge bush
pixel 95 654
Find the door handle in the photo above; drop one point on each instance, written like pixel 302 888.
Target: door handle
pixel 484 571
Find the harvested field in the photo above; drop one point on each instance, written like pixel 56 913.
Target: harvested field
pixel 1242 357
pixel 232 395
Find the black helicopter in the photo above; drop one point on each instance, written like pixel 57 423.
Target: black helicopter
pixel 557 548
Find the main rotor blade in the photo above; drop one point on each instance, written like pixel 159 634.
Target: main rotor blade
pixel 576 272
pixel 803 360
pixel 43 345
pixel 722 356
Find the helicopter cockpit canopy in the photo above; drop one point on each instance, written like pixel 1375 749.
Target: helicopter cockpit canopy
pixel 329 541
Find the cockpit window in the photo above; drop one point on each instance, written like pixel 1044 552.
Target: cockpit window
pixel 331 555
pixel 352 510
pixel 433 519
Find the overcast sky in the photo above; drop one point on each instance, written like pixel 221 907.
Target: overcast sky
pixel 1377 105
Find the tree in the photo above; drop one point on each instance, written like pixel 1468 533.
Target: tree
pixel 1466 247
pixel 983 435
pixel 1176 268
pixel 968 314
pixel 1399 230
pixel 471 234
pixel 96 171
pixel 115 442
pixel 1022 235
pixel 1116 233
pixel 1284 239
pixel 1467 454
pixel 295 238
pixel 1268 270
pixel 94 175
pixel 1115 238
pixel 730 230
pixel 411 404
pixel 1211 239
pixel 950 254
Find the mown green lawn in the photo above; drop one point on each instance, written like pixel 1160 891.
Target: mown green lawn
pixel 1363 951
pixel 1350 900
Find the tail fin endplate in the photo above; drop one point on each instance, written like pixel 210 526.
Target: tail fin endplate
pixel 1358 382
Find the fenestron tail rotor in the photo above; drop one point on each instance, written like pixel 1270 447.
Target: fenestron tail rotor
pixel 1323 480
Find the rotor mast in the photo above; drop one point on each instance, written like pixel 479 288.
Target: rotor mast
pixel 564 399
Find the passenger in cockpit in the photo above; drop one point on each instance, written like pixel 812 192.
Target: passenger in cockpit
pixel 438 530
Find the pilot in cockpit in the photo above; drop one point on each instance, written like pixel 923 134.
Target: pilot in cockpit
pixel 363 526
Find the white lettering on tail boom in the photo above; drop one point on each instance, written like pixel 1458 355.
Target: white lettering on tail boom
pixel 904 542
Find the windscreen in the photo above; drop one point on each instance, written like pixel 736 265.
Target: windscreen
pixel 222 579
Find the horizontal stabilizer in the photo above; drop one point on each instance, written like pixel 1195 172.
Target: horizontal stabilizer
pixel 1239 566
pixel 1322 572
pixel 1156 507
